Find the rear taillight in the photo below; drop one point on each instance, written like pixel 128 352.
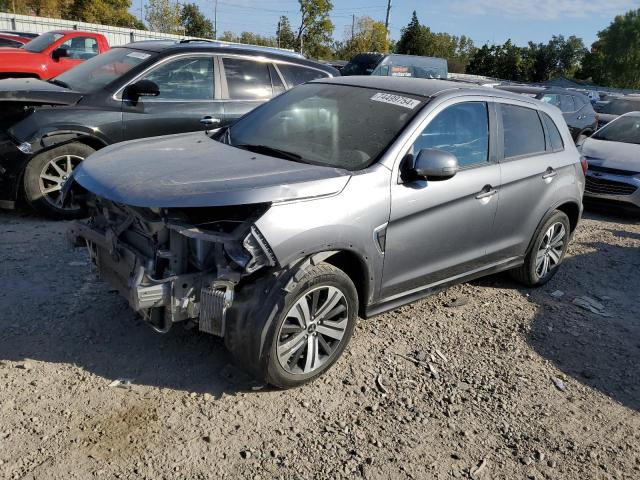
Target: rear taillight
pixel 585 164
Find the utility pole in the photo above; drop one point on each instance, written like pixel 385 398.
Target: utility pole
pixel 279 29
pixel 386 22
pixel 353 25
pixel 215 20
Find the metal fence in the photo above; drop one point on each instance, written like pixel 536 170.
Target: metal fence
pixel 115 35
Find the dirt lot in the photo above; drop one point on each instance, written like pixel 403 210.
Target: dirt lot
pixel 514 383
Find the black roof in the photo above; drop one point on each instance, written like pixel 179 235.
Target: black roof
pixel 172 46
pixel 413 86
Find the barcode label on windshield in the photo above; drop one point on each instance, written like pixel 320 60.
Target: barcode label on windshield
pixel 398 100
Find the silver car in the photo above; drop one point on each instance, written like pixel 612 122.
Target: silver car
pixel 340 198
pixel 613 154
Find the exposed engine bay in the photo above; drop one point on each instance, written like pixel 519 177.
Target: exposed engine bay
pixel 175 264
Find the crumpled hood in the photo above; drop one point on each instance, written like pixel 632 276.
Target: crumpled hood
pixel 191 170
pixel 32 92
pixel 618 155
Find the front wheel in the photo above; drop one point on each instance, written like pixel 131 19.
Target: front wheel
pixel 45 176
pixel 312 325
pixel 547 252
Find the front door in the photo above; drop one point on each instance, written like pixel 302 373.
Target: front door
pixel 187 95
pixel 441 229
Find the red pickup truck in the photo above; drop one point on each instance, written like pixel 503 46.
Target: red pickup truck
pixel 50 54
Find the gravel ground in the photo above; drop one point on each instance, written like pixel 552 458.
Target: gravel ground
pixel 486 380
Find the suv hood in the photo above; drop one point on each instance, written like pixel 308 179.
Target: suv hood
pixel 32 92
pixel 618 155
pixel 192 170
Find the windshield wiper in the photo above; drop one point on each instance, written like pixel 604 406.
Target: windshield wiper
pixel 271 151
pixel 59 83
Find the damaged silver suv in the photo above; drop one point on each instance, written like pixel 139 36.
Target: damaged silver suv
pixel 340 198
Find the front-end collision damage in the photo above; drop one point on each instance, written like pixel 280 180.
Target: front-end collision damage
pixel 176 264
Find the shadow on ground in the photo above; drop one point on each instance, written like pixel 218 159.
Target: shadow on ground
pixel 54 310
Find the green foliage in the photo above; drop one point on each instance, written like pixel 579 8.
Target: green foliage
pixel 369 36
pixel 314 34
pixel 536 62
pixel 164 16
pixel 43 8
pixel 195 23
pixel 614 59
pixel 249 38
pixel 106 12
pixel 417 39
pixel 285 36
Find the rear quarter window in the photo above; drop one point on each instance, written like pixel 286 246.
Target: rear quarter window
pixel 555 139
pixel 523 133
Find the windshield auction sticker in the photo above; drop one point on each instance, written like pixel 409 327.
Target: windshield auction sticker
pixel 398 100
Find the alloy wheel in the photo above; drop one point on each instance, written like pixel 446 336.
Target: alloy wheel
pixel 312 330
pixel 551 248
pixel 53 177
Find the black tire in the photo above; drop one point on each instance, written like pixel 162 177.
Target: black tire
pixel 529 273
pixel 252 333
pixel 45 203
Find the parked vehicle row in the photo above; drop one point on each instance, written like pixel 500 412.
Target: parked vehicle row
pixel 144 89
pixel 341 197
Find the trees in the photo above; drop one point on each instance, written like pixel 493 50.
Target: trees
pixel 194 22
pixel 369 35
pixel 418 39
pixel 314 34
pixel 537 62
pixel 285 36
pixel 615 56
pixel 107 12
pixel 164 16
pixel 249 38
pixel 414 39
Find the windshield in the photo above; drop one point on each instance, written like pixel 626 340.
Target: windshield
pixel 622 129
pixel 361 64
pixel 322 124
pixel 40 43
pixel 101 70
pixel 620 107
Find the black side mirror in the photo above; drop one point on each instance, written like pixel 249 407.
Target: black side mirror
pixel 59 53
pixel 143 88
pixel 435 164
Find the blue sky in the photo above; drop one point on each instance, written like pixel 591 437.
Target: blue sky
pixel 492 21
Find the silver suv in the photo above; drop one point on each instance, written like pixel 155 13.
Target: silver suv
pixel 342 197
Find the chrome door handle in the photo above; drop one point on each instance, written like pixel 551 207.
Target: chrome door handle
pixel 486 192
pixel 550 173
pixel 208 121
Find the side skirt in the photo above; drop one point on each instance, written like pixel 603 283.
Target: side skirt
pixel 391 303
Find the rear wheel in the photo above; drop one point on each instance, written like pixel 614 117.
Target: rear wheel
pixel 547 252
pixel 310 329
pixel 47 173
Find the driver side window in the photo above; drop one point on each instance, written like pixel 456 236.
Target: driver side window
pixel 461 129
pixel 189 78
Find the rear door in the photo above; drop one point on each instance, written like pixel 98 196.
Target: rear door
pixel 531 159
pixel 441 229
pixel 188 93
pixel 247 83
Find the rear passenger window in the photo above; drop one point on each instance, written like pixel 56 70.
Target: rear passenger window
pixel 296 75
pixel 462 129
pixel 247 79
pixel 555 139
pixel 523 134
